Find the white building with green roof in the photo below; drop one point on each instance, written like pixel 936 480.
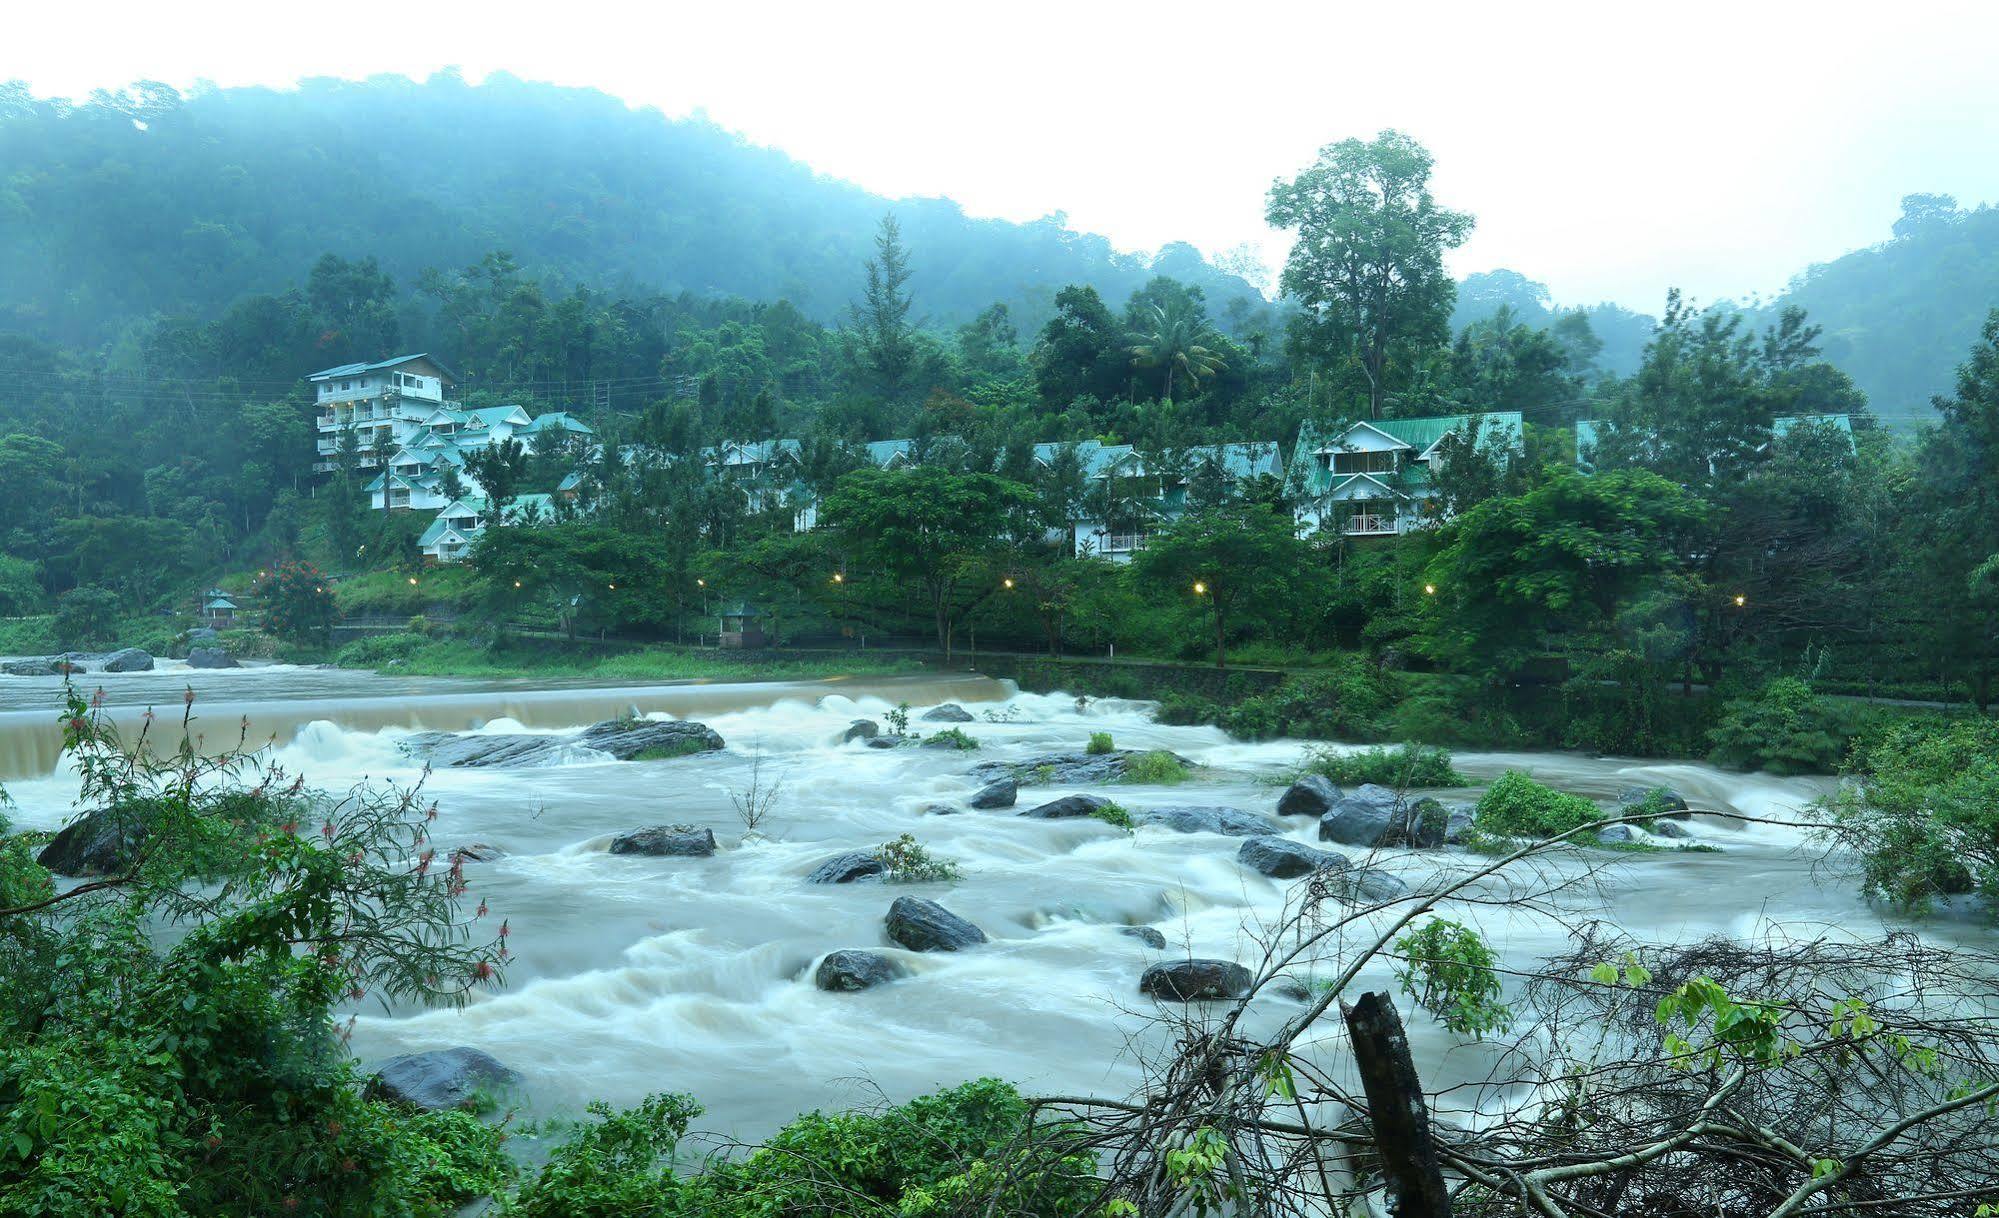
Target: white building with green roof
pixel 1373 478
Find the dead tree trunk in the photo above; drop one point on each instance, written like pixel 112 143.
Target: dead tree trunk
pixel 1396 1110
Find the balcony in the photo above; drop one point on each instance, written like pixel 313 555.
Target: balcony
pixel 1369 525
pixel 1124 543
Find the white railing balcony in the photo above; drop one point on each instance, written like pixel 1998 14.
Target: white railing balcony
pixel 326 421
pixel 1124 543
pixel 1369 526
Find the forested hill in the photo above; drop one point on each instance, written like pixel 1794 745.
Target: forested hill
pixel 153 203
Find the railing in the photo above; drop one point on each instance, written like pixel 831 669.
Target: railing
pixel 1368 525
pixel 1124 543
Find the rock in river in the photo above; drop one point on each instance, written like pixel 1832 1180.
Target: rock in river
pixel 999 793
pixel 211 657
pixel 926 926
pixel 103 842
pixel 1280 858
pixel 1065 769
pixel 1618 835
pixel 1147 935
pixel 1068 806
pixel 1229 822
pixel 1371 816
pixel 949 712
pixel 1195 980
pixel 850 969
pixel 441 1079
pixel 1668 802
pixel 1312 795
pixel 846 868
pixel 861 729
pixel 624 739
pixel 687 841
pixel 129 659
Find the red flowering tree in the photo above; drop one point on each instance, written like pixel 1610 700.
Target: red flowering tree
pixel 298 605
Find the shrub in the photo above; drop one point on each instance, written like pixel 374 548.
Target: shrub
pixel 951 737
pixel 1922 815
pixel 1100 743
pixel 86 617
pixel 298 606
pixel 1155 768
pixel 1115 815
pixel 1351 702
pixel 909 863
pixel 377 650
pixel 1186 710
pixel 1449 971
pixel 1783 728
pixel 1517 806
pixel 1409 765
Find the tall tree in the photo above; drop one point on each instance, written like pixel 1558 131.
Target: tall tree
pixel 1177 341
pixel 1236 560
pixel 1368 264
pixel 884 335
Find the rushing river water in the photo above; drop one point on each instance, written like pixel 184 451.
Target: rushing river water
pixel 635 975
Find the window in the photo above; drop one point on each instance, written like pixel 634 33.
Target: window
pixel 1364 463
pixel 346 385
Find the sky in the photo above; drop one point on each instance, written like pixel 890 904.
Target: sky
pixel 1611 151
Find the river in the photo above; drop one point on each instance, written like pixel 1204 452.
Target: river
pixel 635 975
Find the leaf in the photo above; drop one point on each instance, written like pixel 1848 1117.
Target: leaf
pixel 23 1145
pixel 1604 974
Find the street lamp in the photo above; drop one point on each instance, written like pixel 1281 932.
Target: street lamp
pixel 412 581
pixel 839 577
pixel 1200 588
pixel 1740 600
pixel 1429 589
pixel 1008 581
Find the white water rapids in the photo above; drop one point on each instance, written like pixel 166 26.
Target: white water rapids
pixel 634 975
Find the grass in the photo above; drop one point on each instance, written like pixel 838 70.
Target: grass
pixel 1408 765
pixel 667 752
pixel 417 655
pixel 1156 768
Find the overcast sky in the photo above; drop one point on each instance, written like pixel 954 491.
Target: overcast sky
pixel 1609 150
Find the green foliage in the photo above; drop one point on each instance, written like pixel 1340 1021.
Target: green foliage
pixel 618 1166
pixel 1100 743
pixel 1451 973
pixel 1349 703
pixel 1922 815
pixel 1517 806
pixel 1177 709
pixel 20 587
pixel 1408 765
pixel 1238 560
pixel 298 606
pixel 1783 728
pixel 897 719
pixel 1117 816
pixel 952 737
pixel 909 863
pixel 1156 767
pixel 86 618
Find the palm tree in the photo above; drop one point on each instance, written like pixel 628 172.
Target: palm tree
pixel 1178 342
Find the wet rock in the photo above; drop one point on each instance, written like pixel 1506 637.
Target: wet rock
pixel 1195 980
pixel 891 741
pixel 940 742
pixel 1068 806
pixel 627 738
pixel 1064 769
pixel 1458 823
pixel 1372 816
pixel 441 1079
pixel 1146 935
pixel 104 842
pixel 938 810
pixel 850 969
pixel 1280 858
pixel 846 868
pixel 1618 835
pixel 624 739
pixel 949 712
pixel 1427 824
pixel 1669 828
pixel 861 729
pixel 34 666
pixel 211 657
pixel 129 659
pixel 1292 988
pixel 477 852
pixel 999 793
pixel 1671 802
pixel 1370 884
pixel 684 841
pixel 1229 822
pixel 1312 795
pixel 925 926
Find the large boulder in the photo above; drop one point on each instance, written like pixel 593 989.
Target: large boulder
pixel 441 1079
pixel 861 729
pixel 211 657
pixel 1458 821
pixel 35 666
pixel 1064 769
pixel 1195 980
pixel 1312 795
pixel 1147 935
pixel 1671 829
pixel 1280 858
pixel 850 969
pixel 949 712
pixel 1670 802
pixel 129 659
pixel 1067 807
pixel 626 739
pixel 926 926
pixel 1619 835
pixel 846 868
pixel 1229 822
pixel 104 842
pixel 1370 884
pixel 999 793
pixel 1372 816
pixel 682 841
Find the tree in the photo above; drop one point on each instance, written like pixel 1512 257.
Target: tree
pixel 1237 560
pixel 884 336
pixel 1177 340
pixel 928 526
pixel 499 469
pixel 87 616
pixel 1367 267
pixel 1957 547
pixel 1079 354
pixel 297 603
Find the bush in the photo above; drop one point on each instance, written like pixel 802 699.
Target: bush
pixel 1186 710
pixel 1784 728
pixel 1922 814
pixel 1117 816
pixel 951 737
pixel 1409 765
pixel 1100 743
pixel 86 618
pixel 377 650
pixel 1517 806
pixel 1351 702
pixel 1156 768
pixel 1450 973
pixel 909 863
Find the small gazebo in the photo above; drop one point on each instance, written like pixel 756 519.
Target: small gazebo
pixel 741 625
pixel 218 609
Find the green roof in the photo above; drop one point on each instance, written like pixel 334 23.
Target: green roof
pixel 1420 435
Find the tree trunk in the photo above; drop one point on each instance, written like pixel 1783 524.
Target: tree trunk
pixel 1221 635
pixel 1396 1110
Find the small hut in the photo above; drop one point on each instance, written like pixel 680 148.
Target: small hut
pixel 218 609
pixel 742 625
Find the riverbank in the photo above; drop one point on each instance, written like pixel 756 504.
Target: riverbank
pixel 418 655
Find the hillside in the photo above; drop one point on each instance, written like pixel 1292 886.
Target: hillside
pixel 155 203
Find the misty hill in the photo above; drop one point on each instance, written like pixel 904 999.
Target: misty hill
pixel 150 203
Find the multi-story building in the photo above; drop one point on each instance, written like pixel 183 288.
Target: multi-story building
pixel 1374 478
pixel 383 404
